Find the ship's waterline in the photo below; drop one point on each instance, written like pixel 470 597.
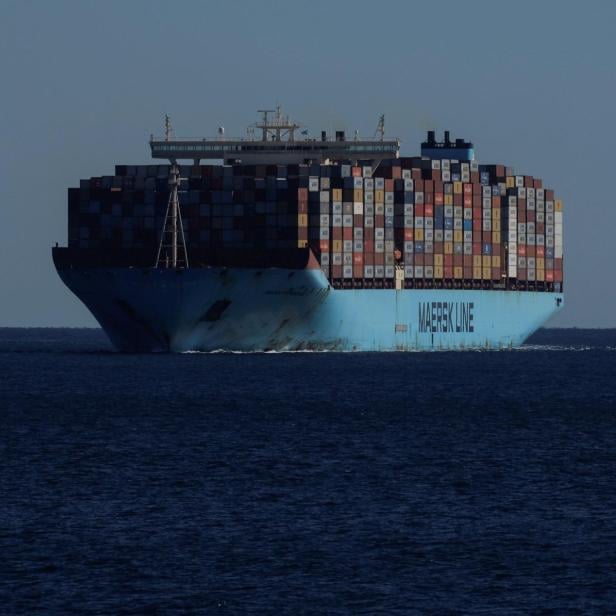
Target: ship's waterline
pixel 206 309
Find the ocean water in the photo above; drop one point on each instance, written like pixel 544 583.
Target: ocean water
pixel 420 483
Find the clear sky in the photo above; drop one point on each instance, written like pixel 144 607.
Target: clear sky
pixel 532 84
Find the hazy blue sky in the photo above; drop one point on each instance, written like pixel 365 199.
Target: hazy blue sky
pixel 532 84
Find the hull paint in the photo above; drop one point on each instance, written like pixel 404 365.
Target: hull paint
pixel 207 309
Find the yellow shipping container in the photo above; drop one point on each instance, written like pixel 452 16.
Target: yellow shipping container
pixel 302 243
pixel 457 235
pixel 558 205
pixel 495 260
pixel 438 260
pixel 337 194
pixel 337 246
pixel 510 181
pixel 358 194
pixel 496 225
pixel 540 263
pixel 457 188
pixel 457 272
pixel 438 271
pixel 540 275
pixel 448 247
pixel 486 273
pixel 496 237
pixel 477 272
pixel 302 220
pixel 448 199
pixel 486 261
pixel 379 196
pixel 419 235
pixel 496 214
pixel 477 261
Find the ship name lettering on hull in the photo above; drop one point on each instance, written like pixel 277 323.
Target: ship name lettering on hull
pixel 447 317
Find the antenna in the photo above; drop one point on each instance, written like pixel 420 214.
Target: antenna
pixel 380 128
pixel 168 128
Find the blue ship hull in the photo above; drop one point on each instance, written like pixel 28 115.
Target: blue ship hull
pixel 207 309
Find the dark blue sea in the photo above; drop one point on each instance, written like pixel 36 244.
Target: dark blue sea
pixel 309 483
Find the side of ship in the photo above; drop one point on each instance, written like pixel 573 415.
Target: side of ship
pixel 243 309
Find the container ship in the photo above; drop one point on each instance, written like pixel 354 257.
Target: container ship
pixel 281 241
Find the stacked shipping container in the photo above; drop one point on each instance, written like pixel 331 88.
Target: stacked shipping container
pixel 410 222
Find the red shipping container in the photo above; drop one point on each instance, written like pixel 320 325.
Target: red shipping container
pixel 477 213
pixel 549 194
pixel 419 258
pixel 528 181
pixel 356 172
pixel 302 194
pixel 302 207
pixel 337 233
pixel 358 258
pixel 368 245
pixel 558 276
pixel 477 201
pixel 368 233
pixel 475 177
pixel 438 248
pixel 396 173
pixel 368 258
pixel 468 189
pixel 468 260
pixel 336 271
pixel 448 260
pixel 389 185
pixel 379 258
pixel 537 184
pixel 428 209
pixel 408 235
pixel 496 273
pixel 428 198
pixel 416 175
pixel 438 186
pixel 458 260
pixel 428 258
pixel 448 271
pixel 521 250
pixel 530 215
pixel 558 265
pixel 428 186
pixel 379 220
pixel 549 276
pixel 438 198
pixel 540 228
pixel 420 209
pixel 358 271
pixel 324 245
pixel 477 248
pixel 530 250
pixel 347 233
pixel 457 199
pixel 419 183
pixel 468 201
pixel 358 220
pixel 477 192
pixel 540 252
pixel 468 272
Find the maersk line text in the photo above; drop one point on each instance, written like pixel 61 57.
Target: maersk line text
pixel 446 317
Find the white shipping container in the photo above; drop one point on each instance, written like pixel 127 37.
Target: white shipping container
pixel 325 258
pixel 406 174
pixel 324 196
pixel 367 172
pixel 337 207
pixel 419 222
pixel 337 258
pixel 379 183
pixel 324 220
pixel 389 271
pixel 446 175
pixel 347 258
pixel 379 271
pixel 429 271
pixel 408 184
pixel 429 235
pixel 368 221
pixel 368 271
pixel 369 198
pixel 379 233
pixel 379 246
pixel 358 208
pixel 347 245
pixel 436 164
pixel 345 171
pixel 336 220
pixel 313 184
pixel 358 183
pixel 368 184
pixel 419 271
pixel 347 220
pixel 324 233
pixel 347 271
